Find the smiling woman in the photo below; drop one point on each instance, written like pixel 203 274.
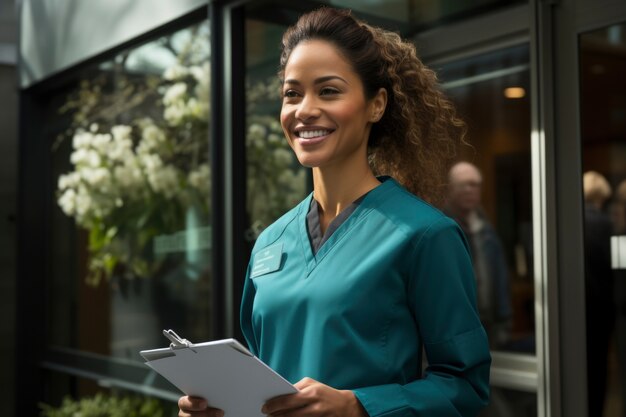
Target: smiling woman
pixel 325 115
pixel 371 274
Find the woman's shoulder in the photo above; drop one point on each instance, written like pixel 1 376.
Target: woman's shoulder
pixel 274 231
pixel 405 209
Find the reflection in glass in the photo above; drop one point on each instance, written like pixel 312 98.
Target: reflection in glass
pixel 131 224
pixel 407 15
pixel 603 126
pixel 490 194
pixel 509 403
pixel 276 182
pixel 106 402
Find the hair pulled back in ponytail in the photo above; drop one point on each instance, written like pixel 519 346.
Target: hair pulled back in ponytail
pixel 416 140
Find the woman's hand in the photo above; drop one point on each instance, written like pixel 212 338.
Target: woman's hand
pixel 315 399
pixel 196 407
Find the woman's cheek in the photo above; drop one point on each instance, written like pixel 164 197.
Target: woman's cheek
pixel 285 123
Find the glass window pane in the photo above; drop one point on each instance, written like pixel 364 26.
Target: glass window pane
pixel 410 14
pixel 131 225
pixel 603 127
pixel 509 403
pixel 490 194
pixel 94 399
pixel 276 182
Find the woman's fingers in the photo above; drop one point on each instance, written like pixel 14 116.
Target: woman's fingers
pixel 207 412
pixel 285 402
pixel 196 407
pixel 192 403
pixel 308 391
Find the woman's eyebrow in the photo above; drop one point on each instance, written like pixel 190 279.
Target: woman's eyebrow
pixel 318 80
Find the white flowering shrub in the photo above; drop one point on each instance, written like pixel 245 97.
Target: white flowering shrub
pixel 133 181
pixel 139 160
pixel 276 182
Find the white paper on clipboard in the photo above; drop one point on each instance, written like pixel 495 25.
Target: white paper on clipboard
pixel 223 372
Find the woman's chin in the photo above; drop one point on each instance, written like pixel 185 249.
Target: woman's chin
pixel 309 161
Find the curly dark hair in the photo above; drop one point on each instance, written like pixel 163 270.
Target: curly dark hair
pixel 417 138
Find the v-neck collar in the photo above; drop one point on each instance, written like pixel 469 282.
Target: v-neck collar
pixel 314 228
pixel 366 205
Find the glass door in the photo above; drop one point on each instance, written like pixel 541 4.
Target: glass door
pixel 603 140
pixel 492 92
pixel 489 195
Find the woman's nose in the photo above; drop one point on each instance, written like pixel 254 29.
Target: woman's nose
pixel 308 108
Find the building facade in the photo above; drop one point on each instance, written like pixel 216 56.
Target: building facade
pixel 150 157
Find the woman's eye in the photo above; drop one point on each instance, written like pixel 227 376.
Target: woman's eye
pixel 326 91
pixel 290 94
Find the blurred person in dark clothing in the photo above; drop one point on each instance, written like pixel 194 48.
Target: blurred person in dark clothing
pixel 492 275
pixel 600 311
pixel 619 223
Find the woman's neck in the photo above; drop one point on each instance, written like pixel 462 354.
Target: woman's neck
pixel 335 189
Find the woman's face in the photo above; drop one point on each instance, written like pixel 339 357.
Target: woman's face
pixel 325 115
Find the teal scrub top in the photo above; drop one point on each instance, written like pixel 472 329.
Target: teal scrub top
pixel 394 279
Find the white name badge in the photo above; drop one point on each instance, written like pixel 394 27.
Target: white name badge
pixel 267 260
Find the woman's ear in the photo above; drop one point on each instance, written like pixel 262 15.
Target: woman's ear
pixel 377 105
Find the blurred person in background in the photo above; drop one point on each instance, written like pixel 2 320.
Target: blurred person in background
pixel 490 267
pixel 599 288
pixel 619 275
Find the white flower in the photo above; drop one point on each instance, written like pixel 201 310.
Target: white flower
pixel 152 139
pixel 198 109
pixel 152 133
pixel 256 129
pixel 175 93
pixel 200 178
pixel 70 180
pixel 128 176
pixel 121 132
pixel 283 156
pixel 67 202
pixel 151 162
pixel 78 156
pixel 200 73
pixel 293 181
pixel 83 202
pixel 274 139
pixel 174 113
pixel 97 178
pixel 101 141
pixel 121 150
pixel 175 72
pixel 202 90
pixel 164 180
pixel 93 159
pixel 81 139
pixel 275 126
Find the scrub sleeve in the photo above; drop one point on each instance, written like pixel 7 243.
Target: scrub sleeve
pixel 456 380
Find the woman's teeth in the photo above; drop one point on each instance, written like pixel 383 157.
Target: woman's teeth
pixel 309 134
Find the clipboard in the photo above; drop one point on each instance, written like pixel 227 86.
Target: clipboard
pixel 223 372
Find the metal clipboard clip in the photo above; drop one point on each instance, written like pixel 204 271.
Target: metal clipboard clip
pixel 177 341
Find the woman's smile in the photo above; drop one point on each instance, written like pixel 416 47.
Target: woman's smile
pixel 312 135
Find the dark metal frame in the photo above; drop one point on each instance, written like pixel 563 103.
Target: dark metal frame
pixel 31 260
pixel 557 26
